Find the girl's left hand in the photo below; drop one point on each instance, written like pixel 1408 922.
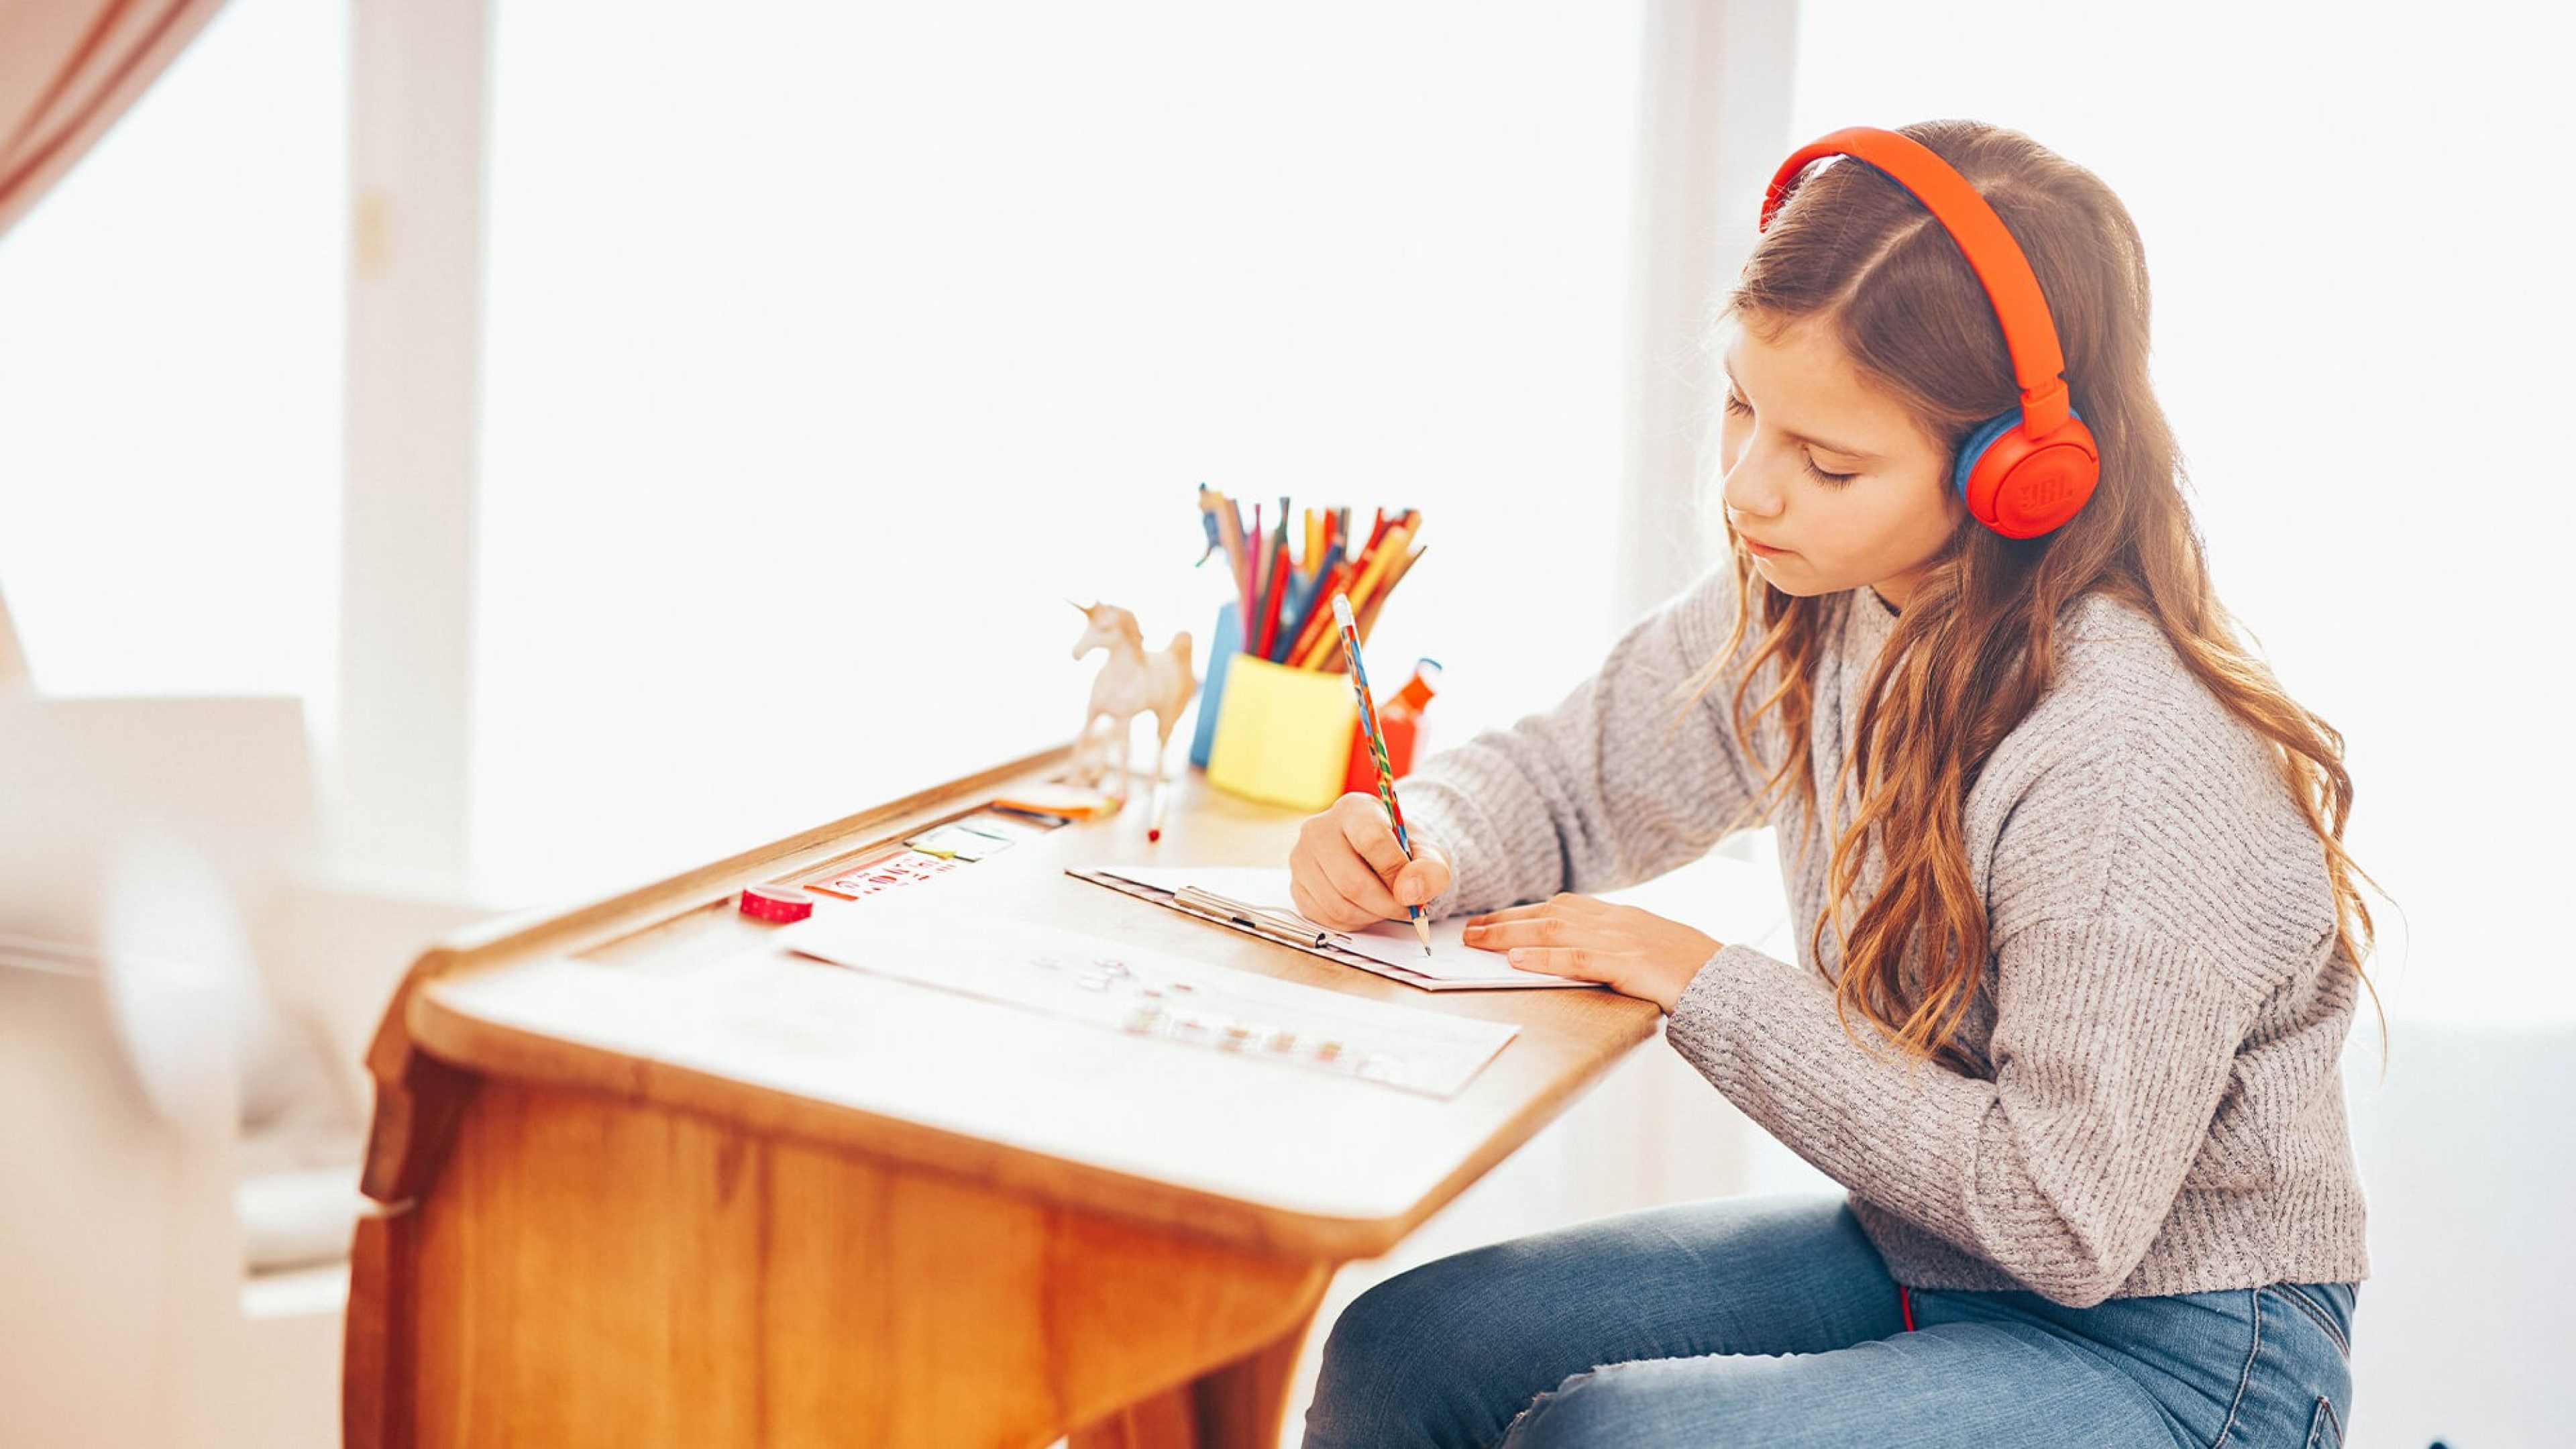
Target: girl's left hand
pixel 1634 952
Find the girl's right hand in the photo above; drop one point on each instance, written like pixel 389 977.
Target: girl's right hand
pixel 1346 871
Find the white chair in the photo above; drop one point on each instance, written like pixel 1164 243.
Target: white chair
pixel 183 1006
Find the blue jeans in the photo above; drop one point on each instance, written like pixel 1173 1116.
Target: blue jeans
pixel 1774 1322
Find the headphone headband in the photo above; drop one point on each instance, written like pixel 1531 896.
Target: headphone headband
pixel 2030 337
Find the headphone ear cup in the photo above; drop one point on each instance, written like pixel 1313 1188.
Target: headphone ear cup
pixel 2021 486
pixel 1974 449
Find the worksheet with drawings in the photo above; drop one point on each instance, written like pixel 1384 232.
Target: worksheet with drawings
pixel 1147 993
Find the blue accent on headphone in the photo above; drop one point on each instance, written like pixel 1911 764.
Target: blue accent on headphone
pixel 1980 440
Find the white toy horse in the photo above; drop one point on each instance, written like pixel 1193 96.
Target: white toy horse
pixel 1130 683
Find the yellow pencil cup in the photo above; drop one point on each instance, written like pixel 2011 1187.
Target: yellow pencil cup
pixel 1283 735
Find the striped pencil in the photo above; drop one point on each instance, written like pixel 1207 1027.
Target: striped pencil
pixel 1377 749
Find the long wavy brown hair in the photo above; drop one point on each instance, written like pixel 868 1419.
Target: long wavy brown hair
pixel 1972 651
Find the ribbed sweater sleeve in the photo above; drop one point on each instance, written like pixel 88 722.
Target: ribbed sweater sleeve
pixel 2111 1049
pixel 1617 784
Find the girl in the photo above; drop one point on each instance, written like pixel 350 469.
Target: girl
pixel 2081 941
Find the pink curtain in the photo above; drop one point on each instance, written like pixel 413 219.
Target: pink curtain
pixel 68 69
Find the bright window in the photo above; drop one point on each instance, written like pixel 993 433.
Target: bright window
pixel 170 349
pixel 832 348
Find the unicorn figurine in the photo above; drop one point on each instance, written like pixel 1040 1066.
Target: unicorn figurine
pixel 1131 682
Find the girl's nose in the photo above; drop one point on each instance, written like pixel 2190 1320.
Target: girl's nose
pixel 1749 489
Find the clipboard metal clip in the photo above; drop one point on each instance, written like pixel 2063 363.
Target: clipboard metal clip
pixel 1280 926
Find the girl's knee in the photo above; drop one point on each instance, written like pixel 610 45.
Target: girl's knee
pixel 1388 1326
pixel 1374 1374
pixel 1432 1355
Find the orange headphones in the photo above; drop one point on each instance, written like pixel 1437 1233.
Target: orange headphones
pixel 2030 470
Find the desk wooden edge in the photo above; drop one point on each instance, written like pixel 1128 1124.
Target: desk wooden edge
pixel 474 1046
pixel 417 1097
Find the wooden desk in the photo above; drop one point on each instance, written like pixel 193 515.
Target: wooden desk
pixel 637 1187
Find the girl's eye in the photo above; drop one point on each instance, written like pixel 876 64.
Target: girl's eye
pixel 1736 404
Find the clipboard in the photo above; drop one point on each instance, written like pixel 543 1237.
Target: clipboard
pixel 1296 932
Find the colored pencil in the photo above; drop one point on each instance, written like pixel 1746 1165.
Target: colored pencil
pixel 1380 560
pixel 1230 529
pixel 1319 619
pixel 1385 587
pixel 1282 582
pixel 1208 500
pixel 1299 620
pixel 1277 592
pixel 1377 749
pixel 1368 585
pixel 1260 543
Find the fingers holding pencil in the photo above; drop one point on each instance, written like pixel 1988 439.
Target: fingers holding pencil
pixel 1347 872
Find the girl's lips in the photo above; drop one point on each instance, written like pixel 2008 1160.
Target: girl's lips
pixel 1760 549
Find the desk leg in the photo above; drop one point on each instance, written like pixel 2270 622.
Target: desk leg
pixel 375 1405
pixel 1237 1406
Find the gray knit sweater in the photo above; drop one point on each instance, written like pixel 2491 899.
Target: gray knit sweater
pixel 2155 1106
